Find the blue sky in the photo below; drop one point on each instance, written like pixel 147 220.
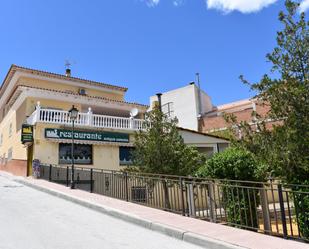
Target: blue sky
pixel 148 46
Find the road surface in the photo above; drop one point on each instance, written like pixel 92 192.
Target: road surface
pixel 30 219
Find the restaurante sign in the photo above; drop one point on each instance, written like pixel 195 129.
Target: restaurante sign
pixel 89 136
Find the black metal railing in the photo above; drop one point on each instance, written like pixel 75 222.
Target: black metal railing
pixel 269 207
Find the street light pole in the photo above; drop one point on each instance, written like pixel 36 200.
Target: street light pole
pixel 73 115
pixel 72 157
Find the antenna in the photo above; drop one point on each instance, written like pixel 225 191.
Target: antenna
pixel 133 112
pixel 67 68
pixel 67 64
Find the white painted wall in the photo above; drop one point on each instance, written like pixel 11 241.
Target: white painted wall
pixel 186 104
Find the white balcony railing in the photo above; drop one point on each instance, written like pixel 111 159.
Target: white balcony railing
pixel 84 119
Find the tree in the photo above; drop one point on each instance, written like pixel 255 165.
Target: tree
pixel 161 150
pixel 285 148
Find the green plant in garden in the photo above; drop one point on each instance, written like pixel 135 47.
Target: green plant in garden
pixel 285 148
pixel 160 149
pixel 239 201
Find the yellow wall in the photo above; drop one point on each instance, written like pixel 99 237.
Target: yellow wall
pixel 63 87
pixel 13 141
pixel 104 156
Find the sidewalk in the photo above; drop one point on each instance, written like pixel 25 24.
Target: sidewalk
pixel 206 234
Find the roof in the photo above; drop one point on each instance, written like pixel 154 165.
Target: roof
pixel 15 68
pixel 88 96
pixel 201 133
pixel 235 104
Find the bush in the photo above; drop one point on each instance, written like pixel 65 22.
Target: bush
pixel 240 203
pixel 233 164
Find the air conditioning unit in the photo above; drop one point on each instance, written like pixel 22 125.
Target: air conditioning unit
pixel 82 91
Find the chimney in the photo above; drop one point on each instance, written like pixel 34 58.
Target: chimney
pixel 68 72
pixel 159 99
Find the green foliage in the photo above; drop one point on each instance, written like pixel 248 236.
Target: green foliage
pixel 225 134
pixel 301 201
pixel 285 148
pixel 235 164
pixel 160 149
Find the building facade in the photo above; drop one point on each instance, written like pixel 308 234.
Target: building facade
pixel 35 122
pixel 38 100
pixel 248 110
pixel 186 103
pixel 195 110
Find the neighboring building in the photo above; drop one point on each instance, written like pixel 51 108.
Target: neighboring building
pixel 34 108
pixel 204 143
pixel 104 129
pixel 183 103
pixel 244 110
pixel 205 117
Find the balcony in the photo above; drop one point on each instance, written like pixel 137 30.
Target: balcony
pixel 51 116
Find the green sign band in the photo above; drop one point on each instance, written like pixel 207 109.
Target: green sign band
pixel 89 136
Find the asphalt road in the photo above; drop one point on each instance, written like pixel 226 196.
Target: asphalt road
pixel 30 219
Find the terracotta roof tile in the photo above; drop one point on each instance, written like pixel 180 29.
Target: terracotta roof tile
pixel 15 68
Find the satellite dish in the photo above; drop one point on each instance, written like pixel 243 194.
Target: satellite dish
pixel 133 112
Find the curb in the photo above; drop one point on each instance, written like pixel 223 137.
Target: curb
pixel 170 231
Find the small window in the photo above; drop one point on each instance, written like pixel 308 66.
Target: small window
pixel 125 155
pixel 82 153
pixel 10 153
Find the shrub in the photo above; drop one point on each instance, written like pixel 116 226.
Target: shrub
pixel 240 203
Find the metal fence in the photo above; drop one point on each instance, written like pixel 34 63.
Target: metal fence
pixel 268 207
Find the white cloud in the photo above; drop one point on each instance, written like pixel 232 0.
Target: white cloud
pixel 244 6
pixel 304 6
pixel 151 3
pixel 154 3
pixel 178 2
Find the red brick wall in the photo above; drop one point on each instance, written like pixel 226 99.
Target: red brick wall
pixel 16 167
pixel 217 122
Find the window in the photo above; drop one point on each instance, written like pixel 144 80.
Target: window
pixel 82 153
pixel 1 139
pixel 125 155
pixel 10 153
pixel 10 129
pixel 168 109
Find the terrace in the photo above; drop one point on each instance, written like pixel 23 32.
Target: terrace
pixel 85 119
